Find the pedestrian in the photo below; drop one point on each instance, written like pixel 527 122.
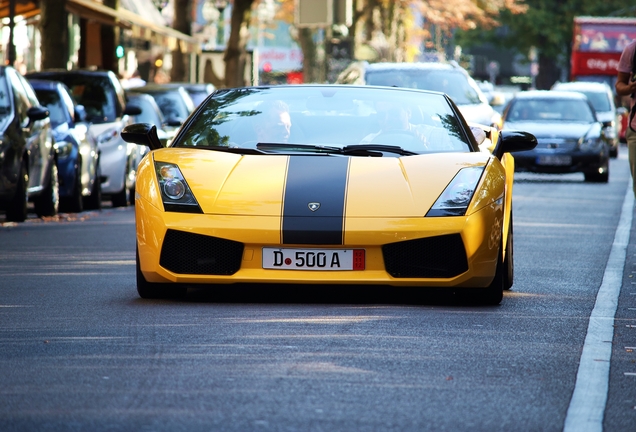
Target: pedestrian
pixel 626 86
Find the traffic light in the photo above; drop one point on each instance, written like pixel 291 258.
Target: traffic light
pixel 119 51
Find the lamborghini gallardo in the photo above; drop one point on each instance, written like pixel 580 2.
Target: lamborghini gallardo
pixel 326 184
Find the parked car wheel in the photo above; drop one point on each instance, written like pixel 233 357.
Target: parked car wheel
pixel 17 210
pixel 48 202
pixel 94 200
pixel 74 203
pixel 120 199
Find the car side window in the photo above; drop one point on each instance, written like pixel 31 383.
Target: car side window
pixel 21 100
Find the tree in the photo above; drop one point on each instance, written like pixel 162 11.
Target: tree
pixel 54 34
pixel 183 23
pixel 235 53
pixel 546 25
pixel 110 39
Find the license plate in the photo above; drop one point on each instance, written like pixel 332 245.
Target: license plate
pixel 313 259
pixel 554 160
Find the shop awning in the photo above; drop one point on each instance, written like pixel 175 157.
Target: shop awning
pixel 141 27
pixel 24 8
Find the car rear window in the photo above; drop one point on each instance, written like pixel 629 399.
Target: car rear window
pixel 94 92
pixel 453 83
pixel 58 111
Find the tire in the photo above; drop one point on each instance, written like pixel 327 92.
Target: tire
pixel 94 200
pixel 74 203
pixel 17 210
pixel 120 199
pixel 613 153
pixel 509 261
pixel 48 202
pixel 150 290
pixel 493 294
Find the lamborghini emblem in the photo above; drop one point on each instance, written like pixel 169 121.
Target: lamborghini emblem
pixel 313 206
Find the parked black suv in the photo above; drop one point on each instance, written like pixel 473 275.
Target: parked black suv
pixel 28 169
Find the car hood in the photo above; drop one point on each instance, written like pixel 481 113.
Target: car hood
pixel 255 185
pixel 552 129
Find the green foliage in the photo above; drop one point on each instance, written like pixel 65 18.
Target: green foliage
pixel 546 25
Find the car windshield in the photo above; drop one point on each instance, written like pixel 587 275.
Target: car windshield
pixel 58 111
pixel 331 118
pixel 94 93
pixel 149 112
pixel 172 104
pixel 599 100
pixel 453 83
pixel 550 109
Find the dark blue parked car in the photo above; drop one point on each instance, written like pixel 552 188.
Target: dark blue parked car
pixel 77 151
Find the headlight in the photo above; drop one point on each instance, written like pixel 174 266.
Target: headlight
pixel 64 148
pixel 456 197
pixel 610 132
pixel 106 136
pixel 590 143
pixel 175 193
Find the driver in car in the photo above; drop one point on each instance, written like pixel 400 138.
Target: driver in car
pixel 395 121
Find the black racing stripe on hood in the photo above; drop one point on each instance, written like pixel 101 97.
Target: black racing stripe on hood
pixel 315 179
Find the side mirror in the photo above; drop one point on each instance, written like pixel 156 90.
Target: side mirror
pixel 512 141
pixel 80 114
pixel 37 113
pixel 142 134
pixel 132 110
pixel 622 111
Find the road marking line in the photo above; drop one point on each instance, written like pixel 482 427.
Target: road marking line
pixel 587 406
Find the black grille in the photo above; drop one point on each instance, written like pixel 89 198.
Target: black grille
pixel 432 257
pixel 187 253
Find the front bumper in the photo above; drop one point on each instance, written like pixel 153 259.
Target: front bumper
pixel 469 262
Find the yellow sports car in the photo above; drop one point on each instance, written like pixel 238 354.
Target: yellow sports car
pixel 326 184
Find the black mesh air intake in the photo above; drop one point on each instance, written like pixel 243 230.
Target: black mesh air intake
pixel 186 253
pixel 432 257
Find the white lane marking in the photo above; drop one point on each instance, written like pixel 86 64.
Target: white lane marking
pixel 587 406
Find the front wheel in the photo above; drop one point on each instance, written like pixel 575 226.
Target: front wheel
pixel 151 290
pixel 48 202
pixel 74 203
pixel 17 210
pixel 94 200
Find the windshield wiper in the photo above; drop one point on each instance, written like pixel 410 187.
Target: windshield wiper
pixel 352 150
pixel 238 150
pixel 299 147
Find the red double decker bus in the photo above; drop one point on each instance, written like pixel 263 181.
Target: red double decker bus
pixel 597 46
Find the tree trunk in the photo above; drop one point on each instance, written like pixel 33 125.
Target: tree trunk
pixel 54 33
pixel 235 52
pixel 549 73
pixel 311 71
pixel 110 37
pixel 183 23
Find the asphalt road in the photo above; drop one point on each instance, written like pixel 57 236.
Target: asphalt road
pixel 80 351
